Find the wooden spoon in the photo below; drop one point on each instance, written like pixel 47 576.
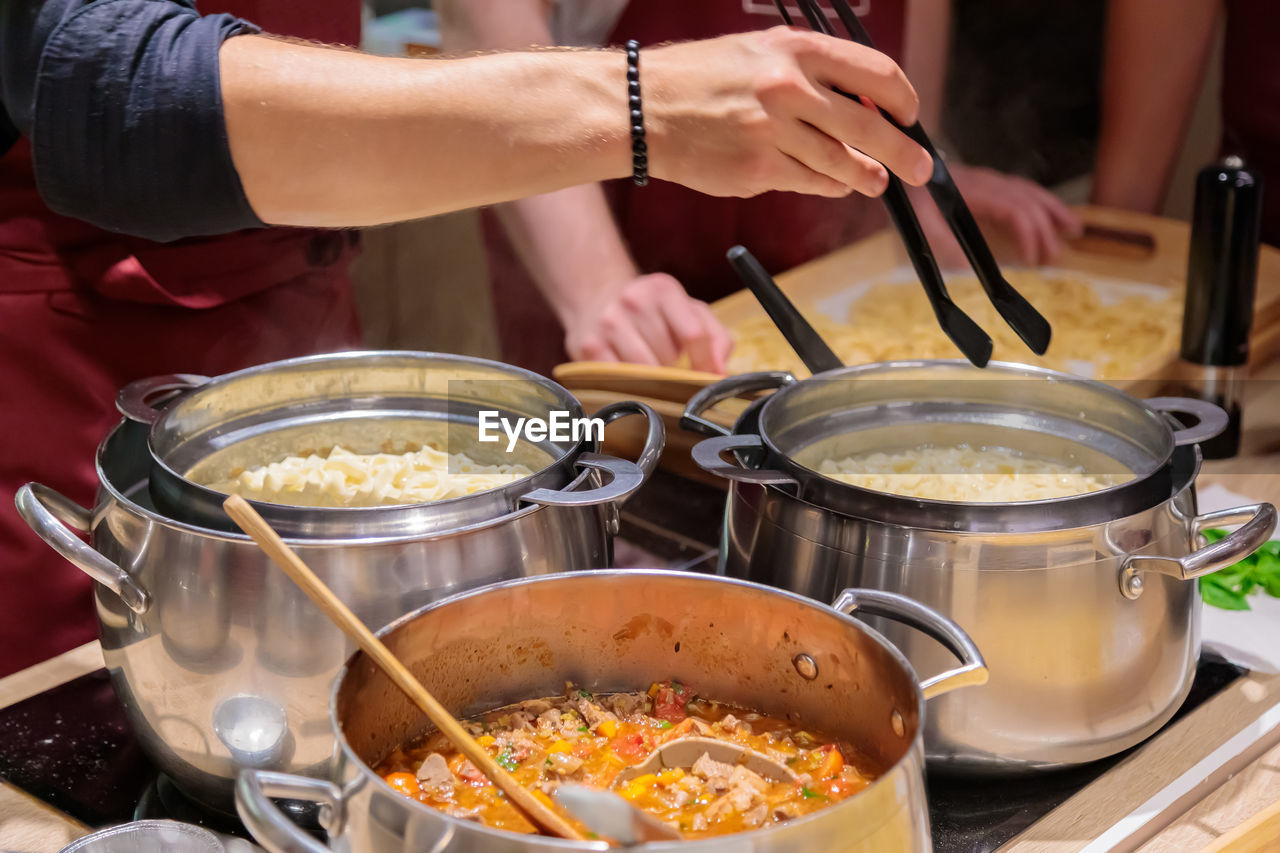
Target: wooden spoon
pixel 283 556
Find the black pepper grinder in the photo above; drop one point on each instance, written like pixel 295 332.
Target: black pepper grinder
pixel 1222 272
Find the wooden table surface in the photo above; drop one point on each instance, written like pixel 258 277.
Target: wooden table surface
pixel 28 825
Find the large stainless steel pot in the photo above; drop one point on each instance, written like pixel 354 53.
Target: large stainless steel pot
pixel 1086 607
pixel 738 642
pixel 220 661
pixel 367 402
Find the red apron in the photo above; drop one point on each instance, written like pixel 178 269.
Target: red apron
pixel 679 231
pixel 84 311
pixel 1251 99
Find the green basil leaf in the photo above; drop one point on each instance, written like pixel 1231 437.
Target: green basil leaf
pixel 1225 599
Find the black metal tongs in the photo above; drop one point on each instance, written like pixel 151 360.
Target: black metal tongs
pixel 976 344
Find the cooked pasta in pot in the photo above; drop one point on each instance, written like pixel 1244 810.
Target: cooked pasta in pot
pixel 591 739
pixel 342 478
pixel 965 473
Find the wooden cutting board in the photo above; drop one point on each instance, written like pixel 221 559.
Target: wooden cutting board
pixel 1118 246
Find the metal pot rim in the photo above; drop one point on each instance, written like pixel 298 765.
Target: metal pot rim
pixel 351 521
pixel 1136 495
pixel 369 776
pixel 155 517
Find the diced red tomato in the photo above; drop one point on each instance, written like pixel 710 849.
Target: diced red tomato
pixel 669 703
pixel 468 772
pixel 678 730
pixel 832 762
pixel 632 747
pixel 584 747
pixel 405 783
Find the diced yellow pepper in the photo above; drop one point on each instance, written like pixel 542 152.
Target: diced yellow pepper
pixel 608 728
pixel 560 746
pixel 653 690
pixel 636 788
pixel 672 774
pixel 486 740
pixel 543 798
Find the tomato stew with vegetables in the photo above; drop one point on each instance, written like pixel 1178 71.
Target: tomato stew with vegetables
pixel 590 739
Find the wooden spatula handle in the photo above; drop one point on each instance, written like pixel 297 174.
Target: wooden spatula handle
pixel 283 556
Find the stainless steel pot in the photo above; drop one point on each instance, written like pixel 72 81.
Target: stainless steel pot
pixel 366 402
pixel 738 642
pixel 1085 607
pixel 220 661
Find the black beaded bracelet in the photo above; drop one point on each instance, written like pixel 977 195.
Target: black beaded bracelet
pixel 639 149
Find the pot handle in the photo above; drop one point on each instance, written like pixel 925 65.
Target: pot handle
pixel 727 389
pixel 135 400
pixel 52 515
pixel 268 825
pixel 654 440
pixel 708 455
pixel 1257 523
pixel 899 608
pixel 1211 420
pixel 623 477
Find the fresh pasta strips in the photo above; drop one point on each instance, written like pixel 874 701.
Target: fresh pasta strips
pixel 965 473
pixel 346 479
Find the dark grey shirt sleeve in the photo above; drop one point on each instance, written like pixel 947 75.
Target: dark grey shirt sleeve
pixel 121 102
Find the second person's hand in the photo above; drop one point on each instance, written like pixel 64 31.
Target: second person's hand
pixel 649 319
pixel 1033 217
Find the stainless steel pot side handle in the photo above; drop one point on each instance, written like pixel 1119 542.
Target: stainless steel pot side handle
pixel 52 515
pixel 727 389
pixel 623 477
pixel 137 400
pixel 708 455
pixel 268 825
pixel 1211 420
pixel 1257 523
pixel 899 608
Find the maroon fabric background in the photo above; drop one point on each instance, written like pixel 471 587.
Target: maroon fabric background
pixel 1251 98
pixel 85 311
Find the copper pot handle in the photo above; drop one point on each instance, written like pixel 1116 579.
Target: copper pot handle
pixel 727 389
pixel 1257 523
pixel 52 516
pixel 137 400
pixel 268 825
pixel 899 608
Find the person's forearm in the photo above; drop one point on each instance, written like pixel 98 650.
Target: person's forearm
pixel 567 240
pixel 1156 51
pixel 493 24
pixel 570 245
pixel 926 48
pixel 332 138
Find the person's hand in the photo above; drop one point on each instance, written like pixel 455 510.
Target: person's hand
pixel 748 113
pixel 649 320
pixel 1035 218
